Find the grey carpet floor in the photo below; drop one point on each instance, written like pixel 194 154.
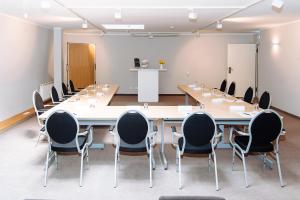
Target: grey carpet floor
pixel 21 171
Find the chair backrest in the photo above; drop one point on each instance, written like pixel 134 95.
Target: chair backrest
pixel 38 105
pixel 248 95
pixel 62 127
pixel 137 62
pixel 223 85
pixel 231 89
pixel 265 100
pixel 198 128
pixel 64 88
pixel 54 95
pixel 265 127
pixel 132 127
pixel 38 102
pixel 72 87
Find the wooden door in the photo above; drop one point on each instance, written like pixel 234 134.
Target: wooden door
pixel 81 61
pixel 241 67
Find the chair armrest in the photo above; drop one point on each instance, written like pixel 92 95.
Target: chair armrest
pixel 237 130
pixel 111 130
pixel 216 139
pixel 155 129
pixel 175 134
pixel 283 131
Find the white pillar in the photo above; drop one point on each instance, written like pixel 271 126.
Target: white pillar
pixel 57 55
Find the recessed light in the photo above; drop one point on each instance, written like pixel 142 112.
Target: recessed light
pixel 219 25
pixel 193 16
pixel 118 15
pixel 25 15
pixel 45 4
pixel 172 27
pixel 124 26
pixel 277 4
pixel 84 24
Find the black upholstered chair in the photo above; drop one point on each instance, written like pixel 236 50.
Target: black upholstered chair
pixel 248 95
pixel 65 90
pixel 39 109
pixel 64 136
pixel 223 85
pixel 137 62
pixel 72 87
pixel 133 135
pixel 231 89
pixel 199 136
pixel 54 96
pixel 265 100
pixel 264 129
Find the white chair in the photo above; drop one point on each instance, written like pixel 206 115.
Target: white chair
pixel 133 134
pixel 198 136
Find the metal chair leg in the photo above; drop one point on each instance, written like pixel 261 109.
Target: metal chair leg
pixel 153 161
pixel 38 140
pixel 116 171
pixel 46 169
pixel 233 157
pixel 209 162
pixel 279 169
pixel 87 158
pixel 177 163
pixel 81 168
pixel 150 167
pixel 56 160
pixel 179 170
pixel 216 171
pixel 245 169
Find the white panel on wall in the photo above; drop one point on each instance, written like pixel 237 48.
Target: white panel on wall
pixel 204 57
pixel 279 66
pixel 24 60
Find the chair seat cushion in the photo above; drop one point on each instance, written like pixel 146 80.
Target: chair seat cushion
pixel 69 147
pixel 242 141
pixel 204 149
pixel 140 147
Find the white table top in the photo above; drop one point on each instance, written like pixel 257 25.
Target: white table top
pixel 92 104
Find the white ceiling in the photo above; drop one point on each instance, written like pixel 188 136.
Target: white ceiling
pixel 156 15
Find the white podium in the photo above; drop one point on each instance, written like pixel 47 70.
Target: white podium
pixel 148 84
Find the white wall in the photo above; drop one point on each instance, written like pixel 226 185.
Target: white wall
pixel 279 66
pixel 205 57
pixel 24 63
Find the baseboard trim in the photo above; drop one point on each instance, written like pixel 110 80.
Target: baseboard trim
pixel 18 118
pixel 285 112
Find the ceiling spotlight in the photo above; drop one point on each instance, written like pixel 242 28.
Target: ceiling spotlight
pixel 84 24
pixel 25 15
pixel 277 4
pixel 172 27
pixel 118 15
pixel 45 4
pixel 193 16
pixel 219 25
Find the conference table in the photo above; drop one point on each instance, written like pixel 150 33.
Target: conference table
pixel 91 107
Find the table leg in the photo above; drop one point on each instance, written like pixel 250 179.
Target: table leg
pixel 162 147
pixel 186 99
pixel 222 144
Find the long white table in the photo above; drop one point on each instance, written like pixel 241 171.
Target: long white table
pixel 91 107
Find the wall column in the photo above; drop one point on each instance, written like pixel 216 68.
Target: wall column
pixel 57 56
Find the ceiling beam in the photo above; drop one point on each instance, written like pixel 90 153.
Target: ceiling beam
pixel 230 15
pixel 79 15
